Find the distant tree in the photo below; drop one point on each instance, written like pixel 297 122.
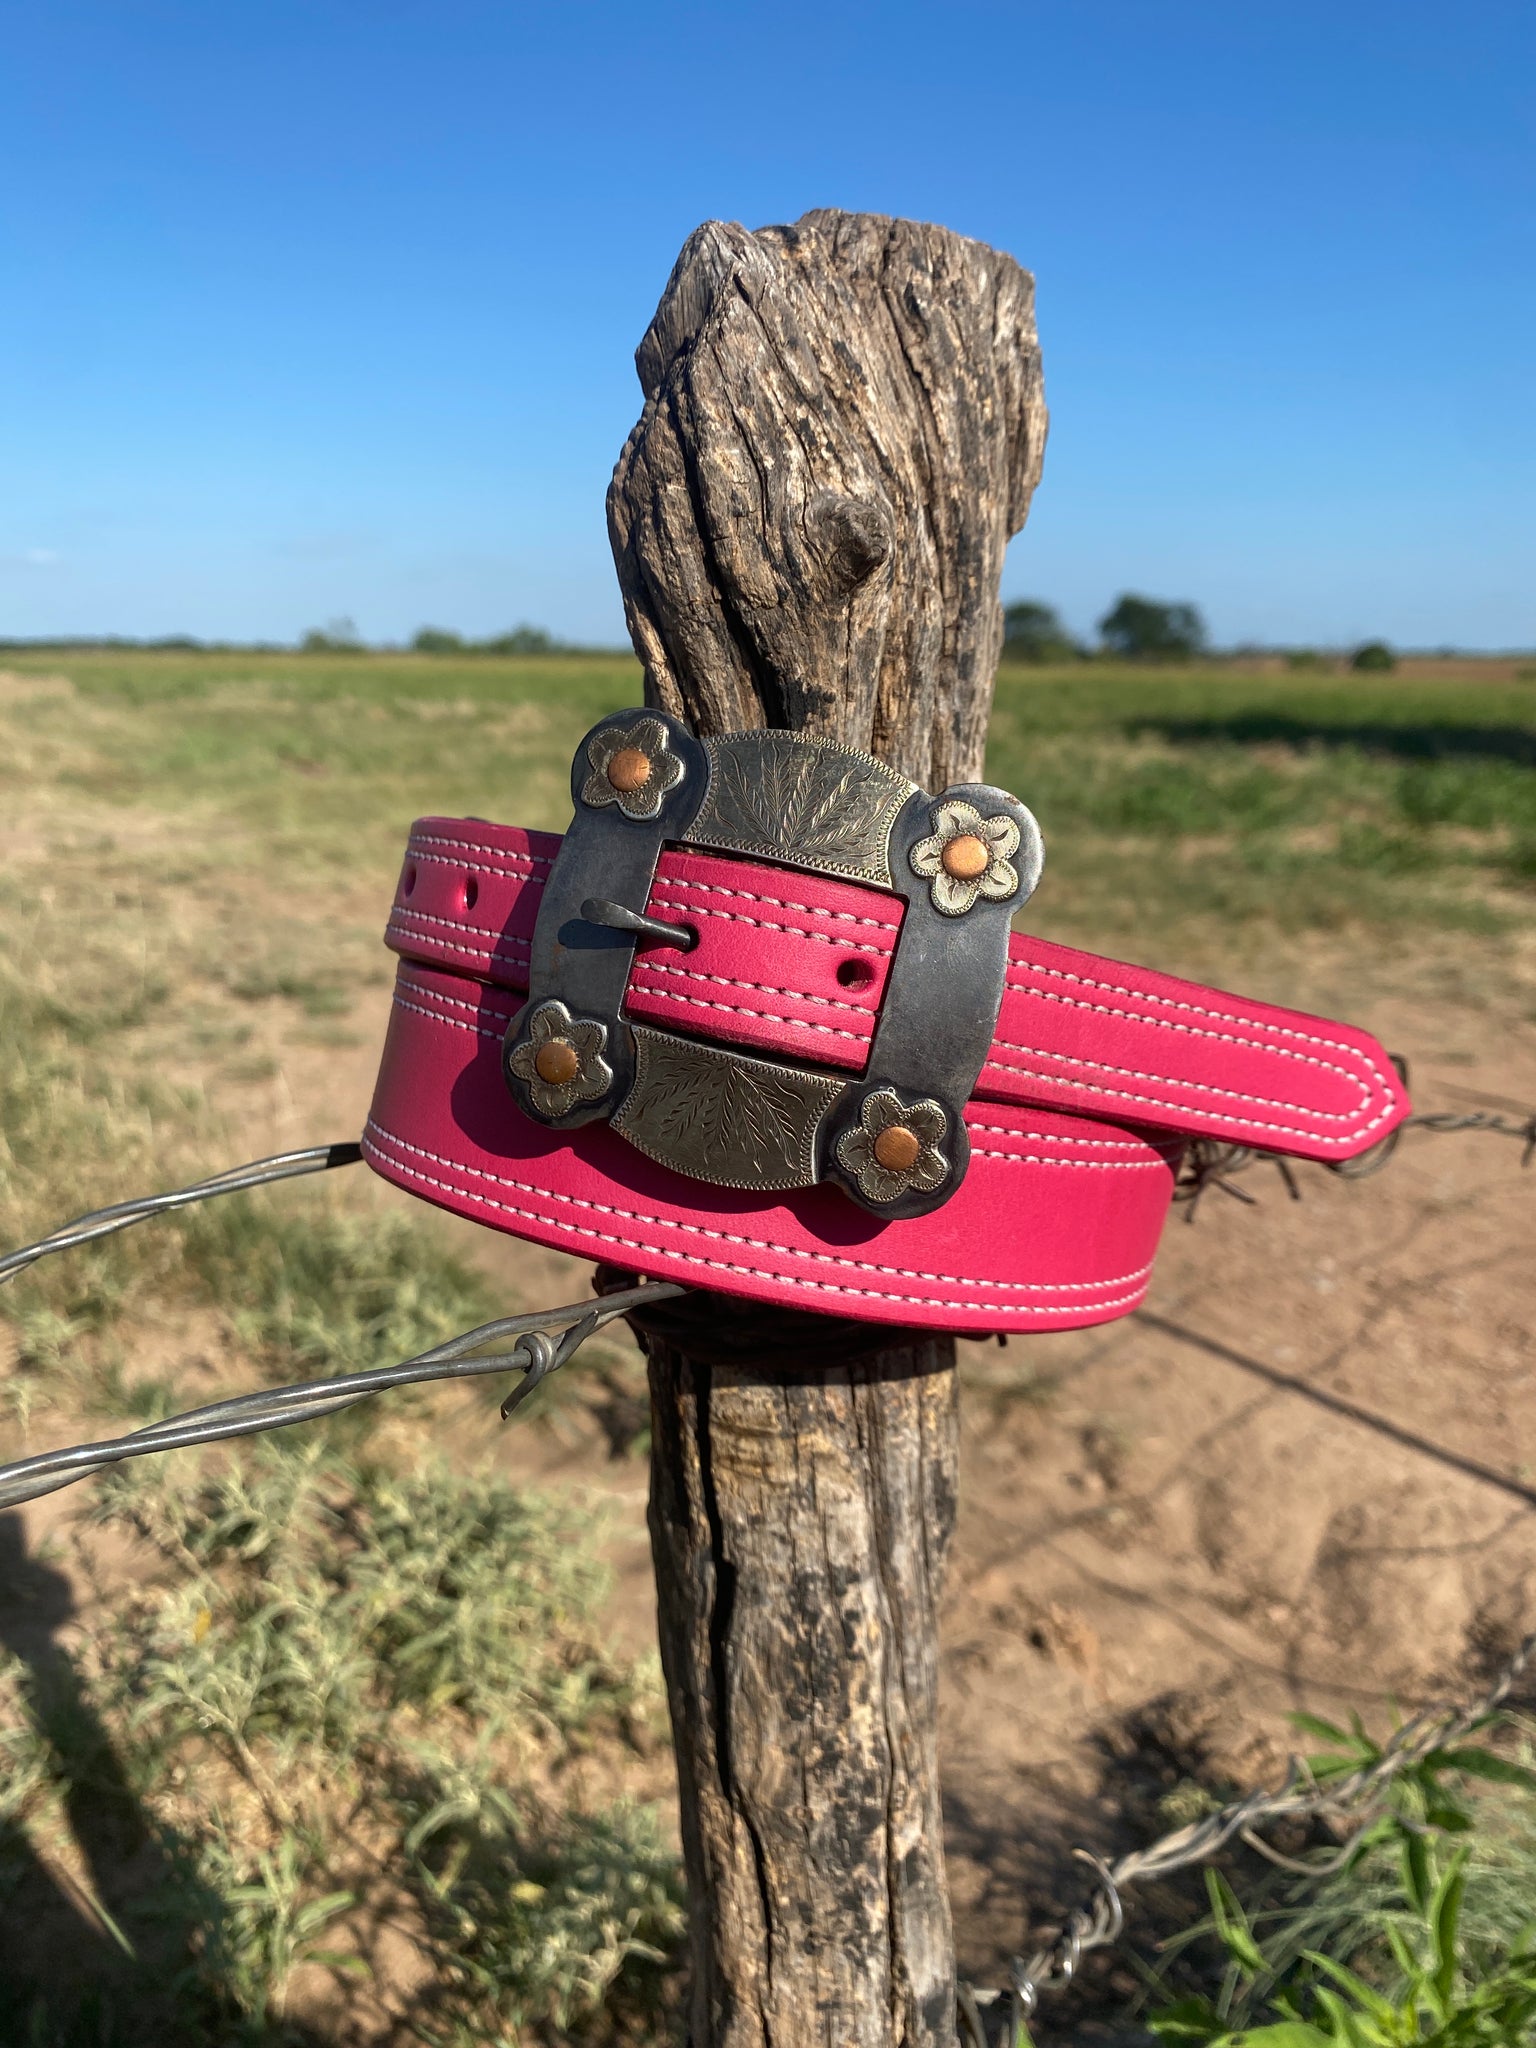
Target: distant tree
pixel 521 640
pixel 1375 657
pixel 437 640
pixel 340 636
pixel 1033 632
pixel 1145 629
pixel 1304 658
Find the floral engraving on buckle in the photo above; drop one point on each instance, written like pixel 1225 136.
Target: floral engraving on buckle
pixel 966 856
pixel 894 1138
pixel 633 767
pixel 807 802
pixel 561 1059
pixel 893 1149
pixel 719 1116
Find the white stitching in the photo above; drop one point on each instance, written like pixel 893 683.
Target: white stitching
pixel 500 874
pixel 457 924
pixel 1164 1084
pixel 1138 995
pixel 1313 1135
pixel 780 903
pixel 1352 1119
pixel 1077 1165
pixel 453 1023
pixel 736 1237
pixel 1283 1052
pixel 476 846
pixel 645 966
pixel 1016 1309
pixel 1137 1145
pixel 766 924
pixel 435 995
pixel 1067 1059
pixel 1142 1165
pixel 1025 967
pixel 665 995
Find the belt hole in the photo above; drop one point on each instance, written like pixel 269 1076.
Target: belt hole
pixel 854 972
pixel 471 892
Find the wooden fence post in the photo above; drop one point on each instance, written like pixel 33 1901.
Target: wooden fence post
pixel 843 423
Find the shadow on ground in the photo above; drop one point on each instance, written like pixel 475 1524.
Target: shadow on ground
pixel 99 1947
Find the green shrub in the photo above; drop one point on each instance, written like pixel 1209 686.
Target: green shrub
pixel 1034 632
pixel 348 1682
pixel 1374 657
pixel 1423 1932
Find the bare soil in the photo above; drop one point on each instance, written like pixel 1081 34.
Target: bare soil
pixel 1303 1477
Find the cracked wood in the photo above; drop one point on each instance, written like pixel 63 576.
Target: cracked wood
pixel 843 424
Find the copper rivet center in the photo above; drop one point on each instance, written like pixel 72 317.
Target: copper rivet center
pixel 965 857
pixel 897 1149
pixel 629 769
pixel 556 1062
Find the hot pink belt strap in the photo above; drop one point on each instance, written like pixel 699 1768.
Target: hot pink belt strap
pixel 795 964
pixel 1097 1076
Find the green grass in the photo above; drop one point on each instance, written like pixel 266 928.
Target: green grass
pixel 1422 1929
pixel 338 1690
pixel 1308 801
pixel 336 1704
pixel 1311 802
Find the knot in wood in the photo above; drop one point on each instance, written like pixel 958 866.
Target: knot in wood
pixel 851 535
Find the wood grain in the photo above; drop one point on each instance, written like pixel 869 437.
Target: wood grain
pixel 843 423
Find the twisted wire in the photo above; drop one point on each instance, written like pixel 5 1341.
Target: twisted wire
pixel 1210 1163
pixel 1355 1797
pixel 121 1215
pixel 547 1339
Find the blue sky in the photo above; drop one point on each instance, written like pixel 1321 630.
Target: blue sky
pixel 321 309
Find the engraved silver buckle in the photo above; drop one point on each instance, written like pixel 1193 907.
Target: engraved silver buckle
pixel 894 1138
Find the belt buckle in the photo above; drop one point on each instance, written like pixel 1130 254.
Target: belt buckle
pixel 893 1138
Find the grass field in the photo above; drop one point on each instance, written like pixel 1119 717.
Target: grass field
pixel 338 1692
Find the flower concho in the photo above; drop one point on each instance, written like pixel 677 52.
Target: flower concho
pixel 893 1149
pixel 632 766
pixel 967 856
pixel 561 1059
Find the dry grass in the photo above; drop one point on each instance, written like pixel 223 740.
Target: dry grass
pixel 330 1703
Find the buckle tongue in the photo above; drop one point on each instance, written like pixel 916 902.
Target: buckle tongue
pixel 893 1139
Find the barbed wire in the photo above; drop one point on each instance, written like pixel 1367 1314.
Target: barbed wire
pixel 547 1339
pixel 1352 1798
pixel 1209 1163
pixel 104 1222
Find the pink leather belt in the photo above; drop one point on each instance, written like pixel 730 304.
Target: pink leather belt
pixel 1097 1075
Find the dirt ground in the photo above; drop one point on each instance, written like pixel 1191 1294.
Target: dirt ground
pixel 1303 1476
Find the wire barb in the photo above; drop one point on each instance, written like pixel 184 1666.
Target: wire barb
pixel 1208 1163
pixel 1354 1797
pixel 546 1340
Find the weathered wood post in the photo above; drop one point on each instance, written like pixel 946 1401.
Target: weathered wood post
pixel 843 423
